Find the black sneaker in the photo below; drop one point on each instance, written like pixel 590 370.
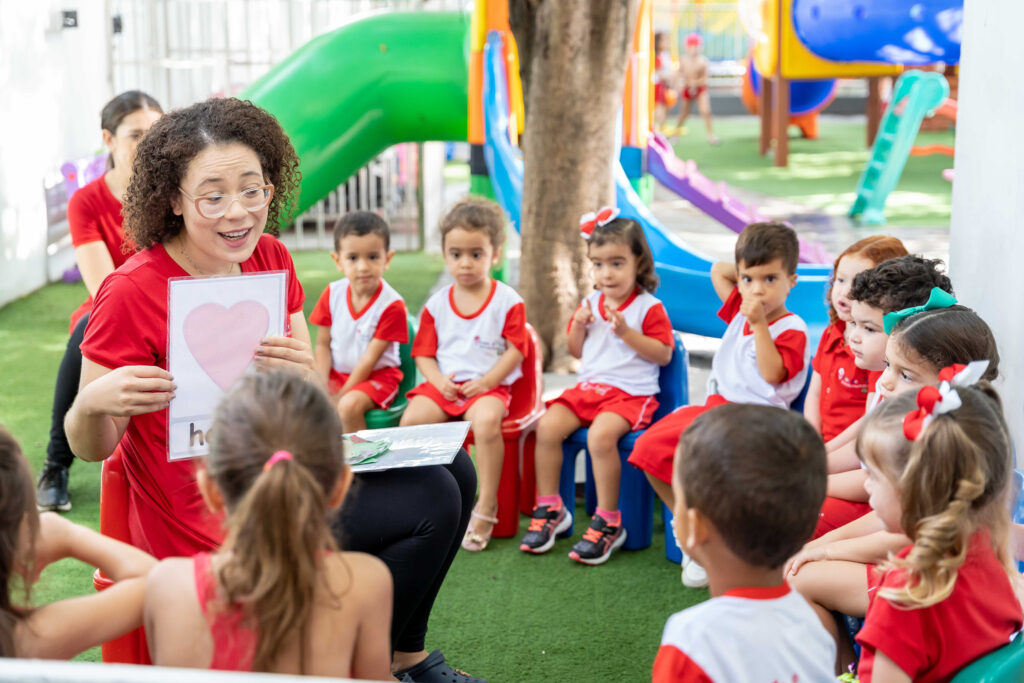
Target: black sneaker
pixel 598 542
pixel 545 524
pixel 52 490
pixel 434 669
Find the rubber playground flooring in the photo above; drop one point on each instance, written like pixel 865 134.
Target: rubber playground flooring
pixel 501 614
pixel 822 174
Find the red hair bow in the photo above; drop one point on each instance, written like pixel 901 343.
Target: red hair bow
pixel 591 220
pixel 932 401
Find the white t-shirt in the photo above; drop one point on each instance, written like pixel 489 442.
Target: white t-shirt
pixel 383 317
pixel 734 371
pixel 468 346
pixel 609 360
pixel 749 635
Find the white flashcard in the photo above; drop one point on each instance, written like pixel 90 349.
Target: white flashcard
pixel 213 328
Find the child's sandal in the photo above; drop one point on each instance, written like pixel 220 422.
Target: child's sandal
pixel 474 542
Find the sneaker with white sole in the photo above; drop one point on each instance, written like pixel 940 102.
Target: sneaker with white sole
pixel 545 525
pixel 599 541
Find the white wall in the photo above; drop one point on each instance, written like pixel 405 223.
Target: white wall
pixel 53 83
pixel 987 236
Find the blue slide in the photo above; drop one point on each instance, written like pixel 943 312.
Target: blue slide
pixel 686 288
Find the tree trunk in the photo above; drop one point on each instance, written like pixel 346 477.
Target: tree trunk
pixel 573 56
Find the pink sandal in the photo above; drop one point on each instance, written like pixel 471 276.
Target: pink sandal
pixel 474 542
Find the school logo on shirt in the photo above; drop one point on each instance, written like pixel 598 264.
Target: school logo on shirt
pixel 852 382
pixel 496 347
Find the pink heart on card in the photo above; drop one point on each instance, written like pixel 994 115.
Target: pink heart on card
pixel 223 340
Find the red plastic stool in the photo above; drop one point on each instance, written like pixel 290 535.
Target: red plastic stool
pixel 518 430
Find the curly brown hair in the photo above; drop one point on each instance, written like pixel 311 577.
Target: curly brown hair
pixel 165 153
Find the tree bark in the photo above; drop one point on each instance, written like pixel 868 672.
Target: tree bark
pixel 573 56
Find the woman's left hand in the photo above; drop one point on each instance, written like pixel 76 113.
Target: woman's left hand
pixel 285 353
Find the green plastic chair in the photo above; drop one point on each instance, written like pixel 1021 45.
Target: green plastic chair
pixel 1005 665
pixel 389 417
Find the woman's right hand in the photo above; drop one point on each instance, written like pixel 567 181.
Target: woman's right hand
pixel 129 390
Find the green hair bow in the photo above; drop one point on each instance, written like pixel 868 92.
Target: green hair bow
pixel 938 298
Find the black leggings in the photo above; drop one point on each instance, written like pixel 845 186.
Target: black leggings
pixel 413 519
pixel 58 452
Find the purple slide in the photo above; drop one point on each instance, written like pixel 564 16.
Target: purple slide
pixel 714 199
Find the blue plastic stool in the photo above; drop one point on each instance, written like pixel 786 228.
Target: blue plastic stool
pixel 636 497
pixel 673 553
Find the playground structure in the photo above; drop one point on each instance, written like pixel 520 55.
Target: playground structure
pixel 799 40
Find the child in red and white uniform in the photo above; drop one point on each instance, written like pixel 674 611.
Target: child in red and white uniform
pixel 470 347
pixel 622 335
pixel 837 395
pixel 939 463
pixel 894 285
pixel 361 321
pixel 664 75
pixel 763 358
pixel 755 627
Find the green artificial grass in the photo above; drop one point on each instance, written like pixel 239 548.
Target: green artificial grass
pixel 502 614
pixel 822 174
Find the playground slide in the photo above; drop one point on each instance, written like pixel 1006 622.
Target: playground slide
pixel 686 288
pixel 714 199
pixel 892 31
pixel 378 80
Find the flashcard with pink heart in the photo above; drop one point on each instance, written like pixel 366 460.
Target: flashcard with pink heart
pixel 213 328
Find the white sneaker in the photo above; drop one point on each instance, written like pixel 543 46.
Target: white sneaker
pixel 694 575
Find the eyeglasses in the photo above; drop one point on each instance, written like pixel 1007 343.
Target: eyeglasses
pixel 216 205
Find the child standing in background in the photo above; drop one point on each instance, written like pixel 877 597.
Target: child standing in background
pixel 622 335
pixel 361 321
pixel 664 75
pixel 837 395
pixel 470 347
pixel 748 481
pixel 278 596
pixel 693 70
pixel 28 543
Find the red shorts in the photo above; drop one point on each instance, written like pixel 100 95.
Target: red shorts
pixel 659 93
pixel 459 406
pixel 836 512
pixel 381 386
pixel 655 449
pixel 693 93
pixel 588 399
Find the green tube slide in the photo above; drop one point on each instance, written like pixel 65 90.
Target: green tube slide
pixel 346 96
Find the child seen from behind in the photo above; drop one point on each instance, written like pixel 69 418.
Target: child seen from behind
pixel 622 335
pixel 748 482
pixel 278 596
pixel 28 543
pixel 470 345
pixel 360 322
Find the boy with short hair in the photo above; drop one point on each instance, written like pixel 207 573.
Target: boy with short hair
pixel 361 320
pixel 748 482
pixel 764 355
pixel 693 72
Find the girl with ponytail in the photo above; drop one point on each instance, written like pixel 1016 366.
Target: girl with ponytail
pixel 939 469
pixel 278 596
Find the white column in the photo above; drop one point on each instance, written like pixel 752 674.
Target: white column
pixel 987 233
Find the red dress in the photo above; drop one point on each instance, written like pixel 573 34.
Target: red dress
pixel 234 643
pixel 94 215
pixel 844 386
pixel 128 326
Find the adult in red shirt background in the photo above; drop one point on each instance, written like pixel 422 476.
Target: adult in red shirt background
pixel 209 179
pixel 94 218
